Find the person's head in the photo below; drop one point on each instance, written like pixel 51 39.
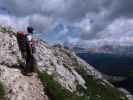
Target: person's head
pixel 30 29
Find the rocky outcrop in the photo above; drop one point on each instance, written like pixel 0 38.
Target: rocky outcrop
pixel 65 67
pixel 18 86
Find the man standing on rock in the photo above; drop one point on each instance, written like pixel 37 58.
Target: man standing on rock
pixel 27 47
pixel 30 49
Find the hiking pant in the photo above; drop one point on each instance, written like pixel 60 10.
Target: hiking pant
pixel 29 61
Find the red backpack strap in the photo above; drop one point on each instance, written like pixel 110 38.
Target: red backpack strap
pixel 21 35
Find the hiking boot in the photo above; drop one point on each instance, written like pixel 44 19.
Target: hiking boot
pixel 27 74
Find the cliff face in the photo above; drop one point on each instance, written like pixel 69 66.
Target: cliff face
pixel 68 70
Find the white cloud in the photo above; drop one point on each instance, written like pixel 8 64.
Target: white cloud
pixel 84 24
pixel 41 23
pixel 120 32
pixel 73 40
pixel 119 28
pixel 18 23
pixel 92 17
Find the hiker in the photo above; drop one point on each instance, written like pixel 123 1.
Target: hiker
pixel 26 45
pixel 30 49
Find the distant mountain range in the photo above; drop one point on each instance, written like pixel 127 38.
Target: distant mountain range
pixel 114 61
pixel 107 49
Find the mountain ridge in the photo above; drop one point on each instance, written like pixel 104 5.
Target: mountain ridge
pixel 68 70
pixel 106 49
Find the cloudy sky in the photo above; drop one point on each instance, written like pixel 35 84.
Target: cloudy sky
pixel 79 22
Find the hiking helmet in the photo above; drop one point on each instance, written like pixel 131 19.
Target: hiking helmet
pixel 30 29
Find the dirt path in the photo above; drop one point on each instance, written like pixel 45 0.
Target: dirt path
pixel 20 87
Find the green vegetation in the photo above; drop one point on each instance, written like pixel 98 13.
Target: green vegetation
pixel 130 73
pixel 98 91
pixel 2 92
pixel 6 29
pixel 56 92
pixel 95 91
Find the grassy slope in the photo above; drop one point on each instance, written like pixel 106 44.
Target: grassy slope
pixel 56 92
pixel 2 92
pixel 95 90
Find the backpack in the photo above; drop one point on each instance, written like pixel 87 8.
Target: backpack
pixel 25 43
pixel 21 37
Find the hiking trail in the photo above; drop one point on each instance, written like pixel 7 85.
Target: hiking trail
pixel 22 87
